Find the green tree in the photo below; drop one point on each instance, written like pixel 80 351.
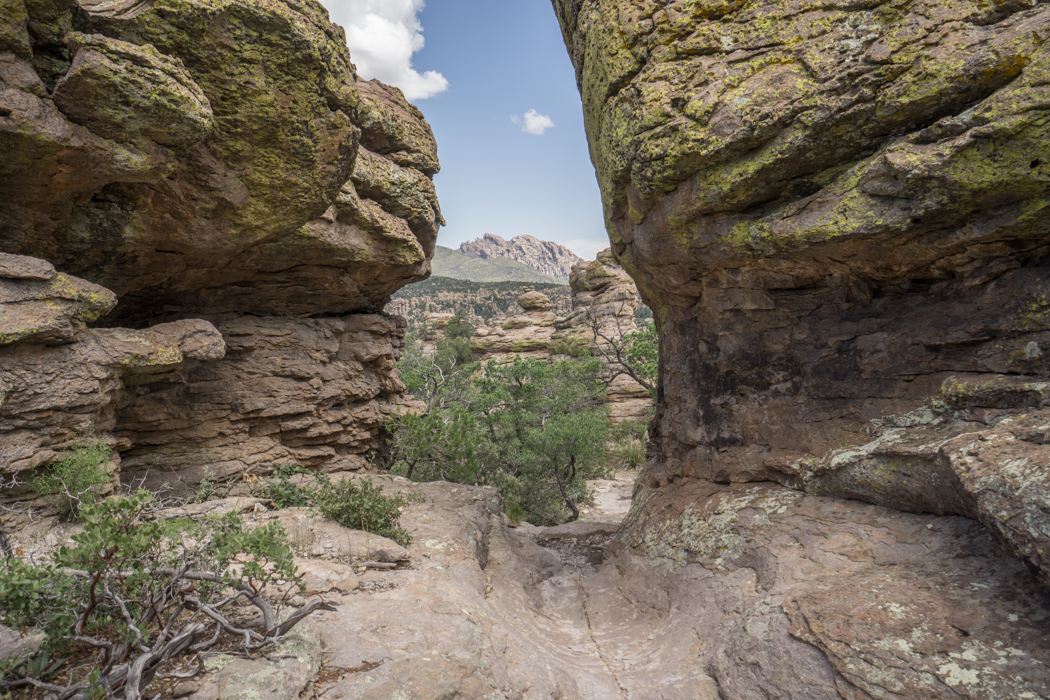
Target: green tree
pixel 459 327
pixel 537 430
pixel 439 443
pixel 635 354
pixel 544 432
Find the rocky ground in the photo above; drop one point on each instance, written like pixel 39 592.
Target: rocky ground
pixel 721 592
pixel 714 591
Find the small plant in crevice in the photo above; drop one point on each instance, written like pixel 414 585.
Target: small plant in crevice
pixel 361 504
pixel 356 504
pixel 76 480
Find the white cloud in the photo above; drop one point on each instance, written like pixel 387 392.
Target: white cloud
pixel 587 248
pixel 534 123
pixel 383 35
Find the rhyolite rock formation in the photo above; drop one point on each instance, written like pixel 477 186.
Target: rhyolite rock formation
pixel 526 333
pixel 603 303
pixel 604 299
pixel 836 212
pixel 215 163
pixel 60 382
pixel 547 257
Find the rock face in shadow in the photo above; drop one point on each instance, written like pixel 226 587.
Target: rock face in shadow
pixel 836 213
pixel 215 162
pixel 312 392
pixel 60 381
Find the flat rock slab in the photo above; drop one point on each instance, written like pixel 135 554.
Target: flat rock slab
pixel 18 644
pixel 282 674
pixel 310 533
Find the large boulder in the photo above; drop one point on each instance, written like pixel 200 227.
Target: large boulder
pixel 210 157
pixel 833 209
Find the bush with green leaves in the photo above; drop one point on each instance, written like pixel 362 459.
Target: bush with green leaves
pixel 360 504
pixel 641 350
pixel 136 590
pixel 282 491
pixel 77 479
pixel 537 430
pixel 356 504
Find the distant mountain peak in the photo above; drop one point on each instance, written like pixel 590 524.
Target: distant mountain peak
pixel 546 257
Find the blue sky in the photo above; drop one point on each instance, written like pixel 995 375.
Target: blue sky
pixel 490 76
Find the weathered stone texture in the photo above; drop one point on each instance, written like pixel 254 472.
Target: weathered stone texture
pixel 527 334
pixel 177 152
pixel 203 159
pixel 898 605
pixel 836 211
pixel 604 299
pixel 60 381
pixel 547 257
pixel 312 392
pixel 833 208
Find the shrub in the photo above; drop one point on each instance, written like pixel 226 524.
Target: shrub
pixel 138 591
pixel 536 430
pixel 359 505
pixel 628 452
pixel 76 480
pixel 362 505
pixel 283 491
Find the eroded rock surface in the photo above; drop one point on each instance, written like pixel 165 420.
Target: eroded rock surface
pixel 604 299
pixel 708 592
pixel 312 392
pixel 211 157
pixel 527 333
pixel 213 164
pixel 59 380
pixel 832 210
pixel 547 257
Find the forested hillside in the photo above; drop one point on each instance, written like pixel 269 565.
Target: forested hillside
pixel 481 301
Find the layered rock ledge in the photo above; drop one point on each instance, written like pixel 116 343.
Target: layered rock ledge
pixel 219 164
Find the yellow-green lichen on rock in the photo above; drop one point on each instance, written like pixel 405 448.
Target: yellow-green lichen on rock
pixel 13 34
pixel 833 208
pixel 189 145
